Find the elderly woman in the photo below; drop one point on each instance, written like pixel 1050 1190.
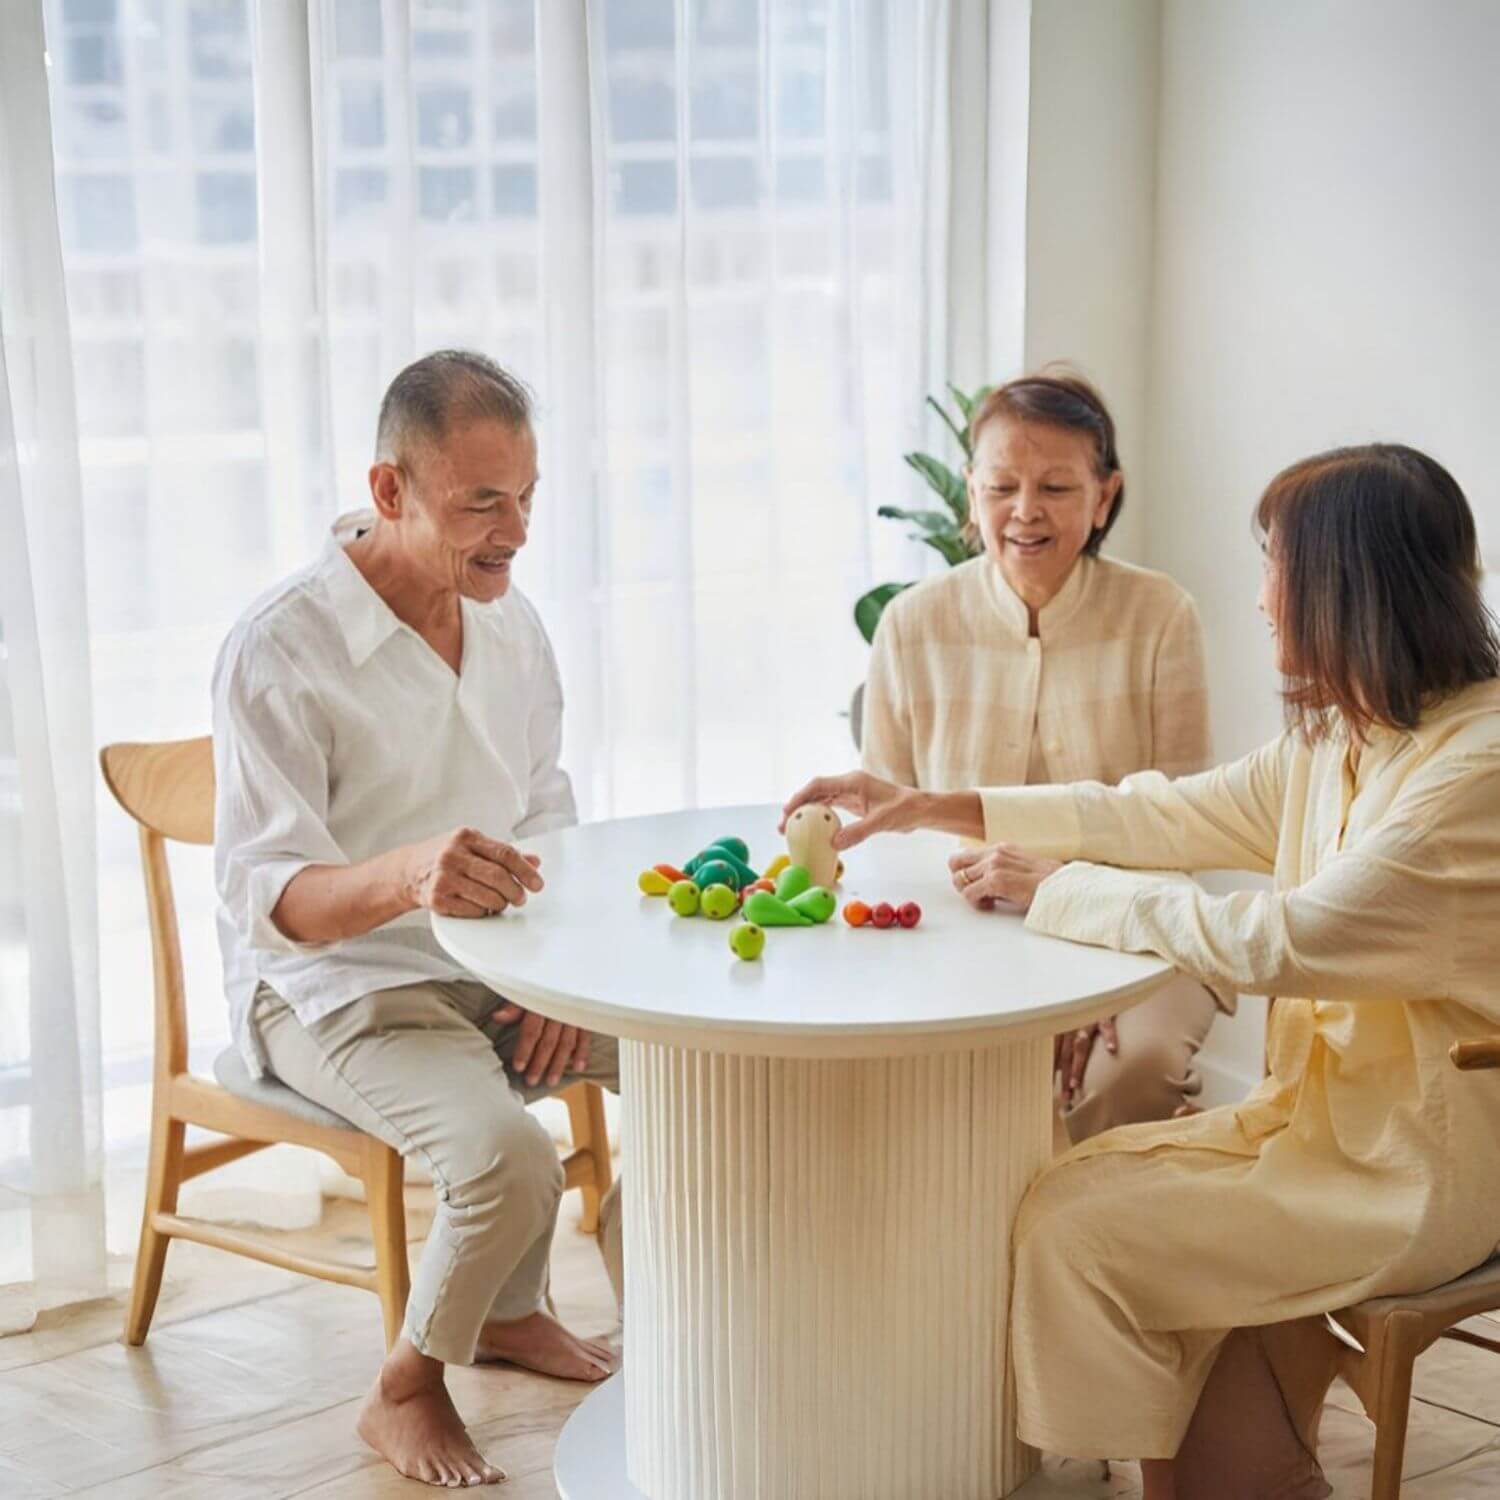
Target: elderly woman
pixel 1172 1268
pixel 1041 661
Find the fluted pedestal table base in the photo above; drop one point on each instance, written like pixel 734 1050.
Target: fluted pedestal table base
pixel 817 1272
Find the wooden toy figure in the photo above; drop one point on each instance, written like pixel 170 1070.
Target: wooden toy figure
pixel 809 839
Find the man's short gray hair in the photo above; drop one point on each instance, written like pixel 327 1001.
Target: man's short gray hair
pixel 451 385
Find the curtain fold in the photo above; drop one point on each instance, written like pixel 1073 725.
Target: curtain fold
pixel 50 1122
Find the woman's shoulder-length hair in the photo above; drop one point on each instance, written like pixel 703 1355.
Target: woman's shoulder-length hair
pixel 1381 609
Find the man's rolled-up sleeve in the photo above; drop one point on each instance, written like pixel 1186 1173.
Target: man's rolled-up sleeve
pixel 272 743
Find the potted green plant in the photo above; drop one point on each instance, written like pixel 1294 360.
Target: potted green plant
pixel 941 529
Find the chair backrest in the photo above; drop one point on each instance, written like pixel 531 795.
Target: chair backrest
pixel 168 788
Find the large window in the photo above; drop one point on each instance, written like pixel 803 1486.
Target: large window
pixel 751 384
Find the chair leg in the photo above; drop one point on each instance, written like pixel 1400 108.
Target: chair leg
pixel 1398 1355
pixel 591 1134
pixel 163 1178
pixel 385 1196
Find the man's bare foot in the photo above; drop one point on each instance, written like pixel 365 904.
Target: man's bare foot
pixel 541 1343
pixel 410 1420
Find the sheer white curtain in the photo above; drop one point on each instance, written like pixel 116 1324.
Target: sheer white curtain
pixel 51 1204
pixel 714 235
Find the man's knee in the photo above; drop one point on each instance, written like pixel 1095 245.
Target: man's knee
pixel 504 1158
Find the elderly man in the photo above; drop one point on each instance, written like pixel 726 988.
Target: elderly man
pixel 387 724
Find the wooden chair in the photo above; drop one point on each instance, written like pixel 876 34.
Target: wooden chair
pixel 1395 1330
pixel 168 788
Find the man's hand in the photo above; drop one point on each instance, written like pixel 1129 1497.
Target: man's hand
pixel 466 874
pixel 999 876
pixel 879 805
pixel 1071 1052
pixel 544 1048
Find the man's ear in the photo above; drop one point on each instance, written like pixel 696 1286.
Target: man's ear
pixel 388 489
pixel 1109 493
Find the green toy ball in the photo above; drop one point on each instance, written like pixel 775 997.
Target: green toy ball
pixel 684 897
pixel 718 872
pixel 717 902
pixel 819 903
pixel 748 940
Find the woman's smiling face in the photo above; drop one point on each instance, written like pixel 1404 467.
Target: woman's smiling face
pixel 1036 495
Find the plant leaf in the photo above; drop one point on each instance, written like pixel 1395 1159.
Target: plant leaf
pixel 936 522
pixel 949 487
pixel 869 607
pixel 958 432
pixel 953 548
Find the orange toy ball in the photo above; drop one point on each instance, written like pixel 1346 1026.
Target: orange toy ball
pixel 856 913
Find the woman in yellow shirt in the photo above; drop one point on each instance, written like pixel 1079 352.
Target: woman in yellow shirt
pixel 1041 660
pixel 1365 1164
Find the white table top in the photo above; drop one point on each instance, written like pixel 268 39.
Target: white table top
pixel 590 950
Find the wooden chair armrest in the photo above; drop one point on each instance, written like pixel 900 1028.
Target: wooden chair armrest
pixel 1477 1052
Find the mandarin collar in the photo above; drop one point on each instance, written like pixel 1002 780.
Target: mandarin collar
pixel 1054 614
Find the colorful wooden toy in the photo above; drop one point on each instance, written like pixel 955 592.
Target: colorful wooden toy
pixel 909 914
pixel 766 910
pixel 883 914
pixel 777 866
pixel 653 883
pixel 684 898
pixel 792 882
pixel 809 841
pixel 817 902
pixel 717 902
pixel 748 940
pixel 856 913
pixel 672 873
pixel 719 872
pixel 726 852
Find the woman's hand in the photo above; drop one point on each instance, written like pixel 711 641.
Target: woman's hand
pixel 879 806
pixel 1001 875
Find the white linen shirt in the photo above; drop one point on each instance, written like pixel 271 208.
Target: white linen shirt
pixel 339 734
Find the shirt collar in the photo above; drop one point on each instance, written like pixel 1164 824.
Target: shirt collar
pixel 365 619
pixel 1054 614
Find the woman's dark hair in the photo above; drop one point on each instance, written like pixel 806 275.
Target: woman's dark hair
pixel 1060 399
pixel 1381 610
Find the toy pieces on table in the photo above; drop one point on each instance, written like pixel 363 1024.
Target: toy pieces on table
pixel 672 873
pixel 777 866
pixel 792 882
pixel 723 852
pixel 883 915
pixel 748 940
pixel 760 885
pixel 718 902
pixel 817 902
pixel 684 898
pixel 908 914
pixel 720 872
pixel 856 913
pixel 653 883
pixel 809 841
pixel 766 910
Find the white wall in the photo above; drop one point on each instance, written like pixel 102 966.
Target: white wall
pixel 1327 270
pixel 1090 210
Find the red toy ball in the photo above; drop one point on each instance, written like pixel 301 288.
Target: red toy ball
pixel 909 914
pixel 883 915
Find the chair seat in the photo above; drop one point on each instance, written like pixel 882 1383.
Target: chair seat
pixel 232 1074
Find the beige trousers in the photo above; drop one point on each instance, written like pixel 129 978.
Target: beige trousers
pixel 424 1068
pixel 1152 1075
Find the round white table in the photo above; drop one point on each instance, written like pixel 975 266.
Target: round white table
pixel 824 1151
